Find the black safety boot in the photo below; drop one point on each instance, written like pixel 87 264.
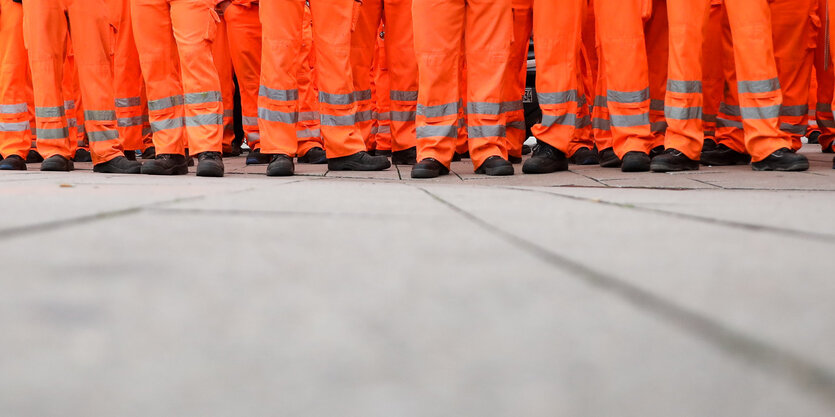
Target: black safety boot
pixel 514 159
pixel 315 155
pixel 584 156
pixel 722 155
pixel 360 161
pixel 814 137
pixel 82 155
pixel 380 152
pixel 119 165
pixel 33 157
pixel 13 163
pixel 130 155
pixel 210 164
pixel 281 166
pixel 495 166
pixel 257 158
pixel 526 149
pixel 635 161
pixel 658 150
pixel 782 160
pixel 609 159
pixel 149 153
pixel 709 145
pixel 57 163
pixel 166 164
pixel 460 156
pixel 429 168
pixel 545 159
pixel 232 150
pixel 673 160
pixel 404 157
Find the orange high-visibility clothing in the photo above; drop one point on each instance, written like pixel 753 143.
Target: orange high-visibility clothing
pixel 47 24
pixel 487 29
pixel 308 131
pixel 16 96
pixel 73 103
pixel 243 29
pixel 517 74
pixel 282 23
pixel 600 125
pixel 713 78
pixel 222 58
pixel 462 142
pixel 131 103
pixel 184 101
pixel 381 95
pixel 825 85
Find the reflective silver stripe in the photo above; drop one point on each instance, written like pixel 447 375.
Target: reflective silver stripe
pixel 600 101
pixel 100 115
pixel 826 123
pixel 600 124
pixel 60 133
pixel 80 129
pixel 279 95
pixel 684 87
pixel 309 133
pixel 375 130
pixel 720 122
pixel 277 116
pixel 729 110
pixel 557 98
pixel 362 95
pixel 308 115
pixel 768 112
pixel 69 104
pixel 582 100
pixel 331 120
pixel 753 87
pixel 131 121
pixel 50 111
pixel 657 105
pixel 166 124
pixel 437 131
pixel 658 127
pixel 683 113
pixel 387 115
pixel 228 113
pixel 165 103
pixel 509 106
pixel 442 110
pixel 824 107
pixel 630 121
pixel 627 96
pixel 486 131
pixel 13 108
pixel 210 119
pixel 516 124
pixel 103 135
pixel 709 118
pixel 14 127
pixel 147 131
pixel 583 122
pixel 128 102
pixel 549 120
pixel 363 116
pixel 253 137
pixel 403 95
pixel 249 121
pixel 794 129
pixel 384 130
pixel 344 99
pixel 202 98
pixel 796 111
pixel 72 122
pixel 402 116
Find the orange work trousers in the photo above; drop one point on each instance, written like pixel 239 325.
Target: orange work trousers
pixel 517 75
pixel 633 38
pixel 73 104
pixel 825 77
pixel 243 30
pixel 131 103
pixel 381 96
pixel 16 96
pixel 713 78
pixel 308 131
pixel 401 63
pixel 278 105
pixel 46 28
pixel 487 29
pixel 184 101
pixel 601 128
pixel 222 58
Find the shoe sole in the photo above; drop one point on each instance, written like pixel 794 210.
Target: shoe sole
pixel 504 171
pixel 3 168
pixel 66 168
pixel 178 170
pixel 427 173
pixel 548 170
pixel 138 170
pixel 795 167
pixel 635 167
pixel 209 172
pixel 353 167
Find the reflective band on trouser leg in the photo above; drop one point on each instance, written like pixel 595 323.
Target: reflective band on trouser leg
pixel 658 39
pixel 462 143
pixel 729 131
pixel 760 97
pixel 221 56
pixel 825 77
pixel 363 50
pixel 381 88
pixel 516 76
pixel 244 32
pixel 127 80
pixel 308 134
pixel 713 79
pixel 557 30
pixel 582 127
pixel 402 74
pixel 622 40
pixel 72 103
pixel 15 84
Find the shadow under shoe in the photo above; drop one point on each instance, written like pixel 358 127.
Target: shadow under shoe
pixel 609 159
pixel 429 168
pixel 57 163
pixel 166 164
pixel 119 165
pixel 673 161
pixel 315 156
pixel 210 164
pixel 782 160
pixel 404 157
pixel 360 161
pixel 281 166
pixel 495 166
pixel 545 159
pixel 584 156
pixel 722 155
pixel 635 161
pixel 13 163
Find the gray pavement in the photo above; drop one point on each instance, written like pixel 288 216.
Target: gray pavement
pixel 585 293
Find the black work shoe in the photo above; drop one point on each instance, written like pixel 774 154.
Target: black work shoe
pixel 814 137
pixel 722 155
pixel 57 163
pixel 210 164
pixel 281 166
pixel 33 157
pixel 13 163
pixel 609 159
pixel 459 156
pixel 635 161
pixel 658 150
pixel 673 160
pixel 130 155
pixel 314 156
pixel 514 159
pixel 149 153
pixel 360 161
pixel 545 159
pixel 496 166
pixel 404 157
pixel 82 155
pixel 380 152
pixel 526 149
pixel 429 168
pixel 709 145
pixel 232 150
pixel 166 164
pixel 257 158
pixel 584 156
pixel 782 160
pixel 119 165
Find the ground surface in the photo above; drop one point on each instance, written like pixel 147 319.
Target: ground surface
pixel 585 293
